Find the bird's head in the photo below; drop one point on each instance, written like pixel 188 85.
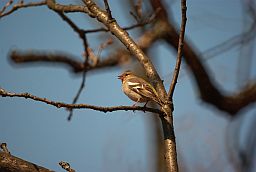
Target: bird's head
pixel 124 75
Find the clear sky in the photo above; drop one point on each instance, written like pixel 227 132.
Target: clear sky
pixel 119 141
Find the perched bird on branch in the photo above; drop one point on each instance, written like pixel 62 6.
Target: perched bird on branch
pixel 137 89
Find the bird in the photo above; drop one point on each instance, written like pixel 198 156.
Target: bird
pixel 138 89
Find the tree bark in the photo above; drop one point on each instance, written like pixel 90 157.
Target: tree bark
pixel 9 163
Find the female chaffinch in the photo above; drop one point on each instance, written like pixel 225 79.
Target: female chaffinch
pixel 137 89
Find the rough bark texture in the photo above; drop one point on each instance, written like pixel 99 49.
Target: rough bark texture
pixel 9 163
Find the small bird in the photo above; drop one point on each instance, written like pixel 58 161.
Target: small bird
pixel 137 89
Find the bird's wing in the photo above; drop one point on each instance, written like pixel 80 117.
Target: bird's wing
pixel 143 88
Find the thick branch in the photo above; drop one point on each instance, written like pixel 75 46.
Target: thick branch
pixel 9 163
pixel 5 93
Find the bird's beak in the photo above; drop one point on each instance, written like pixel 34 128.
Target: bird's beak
pixel 120 77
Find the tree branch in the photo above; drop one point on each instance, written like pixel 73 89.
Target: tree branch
pixel 68 8
pixel 119 57
pixel 21 57
pixel 5 93
pixel 10 163
pixel 108 9
pixel 180 50
pixel 133 26
pixel 21 5
pixel 83 37
pixel 78 93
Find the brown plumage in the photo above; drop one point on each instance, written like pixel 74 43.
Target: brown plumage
pixel 137 89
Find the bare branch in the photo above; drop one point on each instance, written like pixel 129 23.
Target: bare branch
pixel 6 6
pixel 140 24
pixel 77 30
pixel 5 93
pixel 138 8
pixel 102 47
pixel 68 8
pixel 38 56
pixel 119 57
pixel 21 5
pixel 78 94
pixel 86 52
pixel 108 9
pixel 180 49
pixel 11 163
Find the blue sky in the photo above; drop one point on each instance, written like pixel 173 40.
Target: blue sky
pixel 119 141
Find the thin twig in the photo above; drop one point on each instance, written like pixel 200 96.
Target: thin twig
pixel 21 5
pixel 138 8
pixel 180 50
pixel 5 93
pixel 78 94
pixel 104 45
pixel 82 35
pixel 108 9
pixel 6 6
pixel 124 28
pixel 75 28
